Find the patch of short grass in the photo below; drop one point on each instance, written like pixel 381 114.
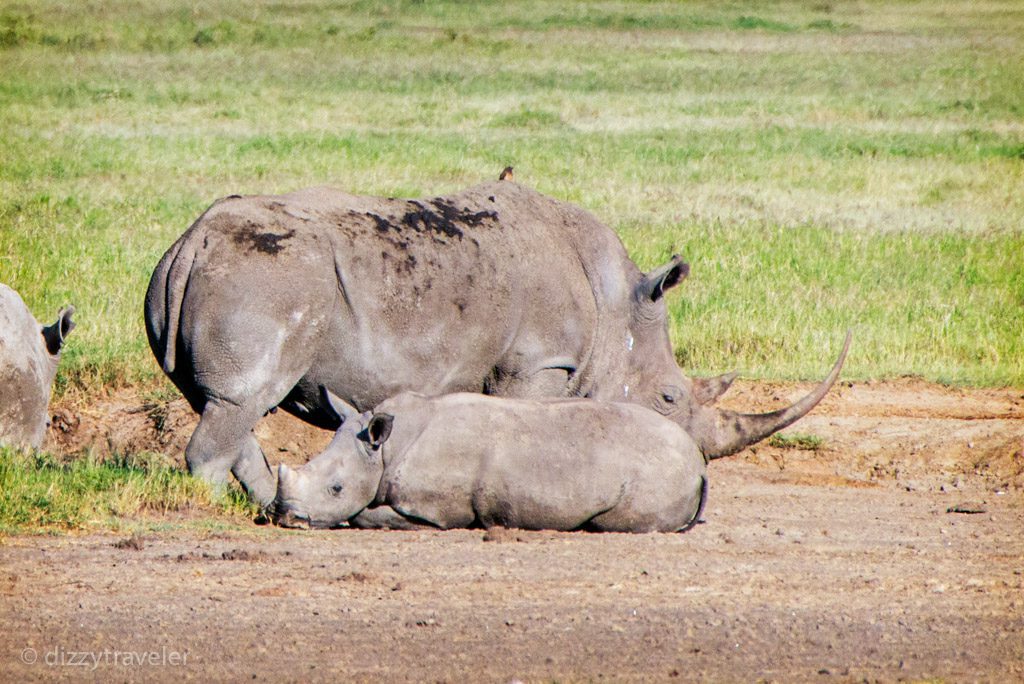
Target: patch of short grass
pixel 42 493
pixel 803 442
pixel 944 306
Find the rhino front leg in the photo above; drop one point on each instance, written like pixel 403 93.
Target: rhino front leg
pixel 387 518
pixel 254 473
pixel 223 443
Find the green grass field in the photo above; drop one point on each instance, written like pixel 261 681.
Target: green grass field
pixel 44 494
pixel 821 165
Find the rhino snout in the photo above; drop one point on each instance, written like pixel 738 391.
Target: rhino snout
pixel 292 519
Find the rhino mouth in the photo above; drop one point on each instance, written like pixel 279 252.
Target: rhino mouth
pixel 293 520
pixel 298 521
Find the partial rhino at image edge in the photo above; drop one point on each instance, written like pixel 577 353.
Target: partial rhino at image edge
pixel 29 354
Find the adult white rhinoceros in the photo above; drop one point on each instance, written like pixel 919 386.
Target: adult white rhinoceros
pixel 29 353
pixel 497 289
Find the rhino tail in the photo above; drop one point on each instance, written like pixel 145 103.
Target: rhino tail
pixel 177 281
pixel 164 300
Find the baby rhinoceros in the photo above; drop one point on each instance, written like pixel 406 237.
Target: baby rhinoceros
pixel 29 353
pixel 469 460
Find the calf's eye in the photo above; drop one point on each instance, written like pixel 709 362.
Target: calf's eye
pixel 335 489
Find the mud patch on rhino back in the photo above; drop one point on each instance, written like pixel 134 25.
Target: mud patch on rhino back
pixel 258 239
pixel 438 218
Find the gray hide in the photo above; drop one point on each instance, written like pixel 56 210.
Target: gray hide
pixel 466 460
pixel 497 289
pixel 29 354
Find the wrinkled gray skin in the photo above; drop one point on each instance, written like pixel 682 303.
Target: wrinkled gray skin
pixel 497 289
pixel 29 353
pixel 467 460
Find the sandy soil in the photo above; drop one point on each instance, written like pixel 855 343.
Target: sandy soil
pixel 892 552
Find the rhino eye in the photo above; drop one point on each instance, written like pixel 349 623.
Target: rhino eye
pixel 335 489
pixel 668 398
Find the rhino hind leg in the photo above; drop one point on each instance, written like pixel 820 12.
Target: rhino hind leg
pixel 700 506
pixel 223 443
pixel 678 516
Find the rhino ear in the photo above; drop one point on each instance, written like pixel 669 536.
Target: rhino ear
pixel 55 334
pixel 332 403
pixel 653 285
pixel 379 429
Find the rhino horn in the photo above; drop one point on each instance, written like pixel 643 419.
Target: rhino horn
pixel 734 431
pixel 708 390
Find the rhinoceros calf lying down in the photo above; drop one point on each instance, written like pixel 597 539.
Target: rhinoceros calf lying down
pixel 463 460
pixel 29 353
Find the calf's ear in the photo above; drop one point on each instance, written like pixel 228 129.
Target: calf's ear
pixel 333 403
pixel 55 334
pixel 654 284
pixel 379 429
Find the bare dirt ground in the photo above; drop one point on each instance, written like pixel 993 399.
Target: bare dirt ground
pixel 892 552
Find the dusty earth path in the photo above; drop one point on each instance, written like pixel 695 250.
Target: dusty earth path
pixel 891 550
